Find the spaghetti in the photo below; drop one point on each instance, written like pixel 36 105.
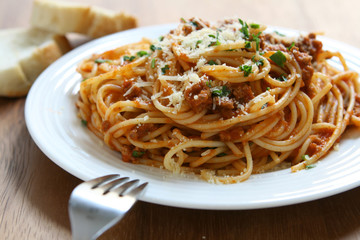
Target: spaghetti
pixel 223 101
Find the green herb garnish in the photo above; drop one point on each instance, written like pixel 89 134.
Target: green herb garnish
pixel 197 43
pixel 259 62
pixel 280 34
pixel 244 29
pixel 153 48
pixel 208 83
pixel 161 38
pixel 84 122
pixel 153 63
pixel 127 58
pixel 291 46
pixel 247 44
pixel 278 58
pixel 282 78
pixel 267 88
pixel 221 92
pixel 217 42
pixel 212 62
pixel 194 23
pixel 142 53
pixel 99 60
pixel 254 25
pixel 164 69
pixel 246 69
pixel 257 40
pixel 137 154
pixel 310 166
pixel 305 157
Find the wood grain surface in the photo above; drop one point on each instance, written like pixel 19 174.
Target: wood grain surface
pixel 34 191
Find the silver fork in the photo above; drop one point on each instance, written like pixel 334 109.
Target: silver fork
pixel 98 204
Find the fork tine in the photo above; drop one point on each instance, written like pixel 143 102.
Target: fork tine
pixel 97 181
pixel 112 184
pixel 120 189
pixel 136 191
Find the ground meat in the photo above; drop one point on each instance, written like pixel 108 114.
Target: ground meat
pixel 133 93
pixel 310 45
pixel 141 130
pixel 198 96
pixel 242 92
pixel 126 153
pixel 304 60
pixel 269 42
pixel 225 106
pixel 191 25
pixel 105 125
pixel 231 134
pixel 318 141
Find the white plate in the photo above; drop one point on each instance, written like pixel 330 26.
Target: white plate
pixel 52 121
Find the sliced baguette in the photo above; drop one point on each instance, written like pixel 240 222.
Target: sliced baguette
pixel 66 17
pixel 25 54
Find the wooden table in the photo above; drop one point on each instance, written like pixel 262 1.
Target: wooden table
pixel 34 191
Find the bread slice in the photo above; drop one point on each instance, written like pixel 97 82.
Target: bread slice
pixel 60 17
pixel 66 17
pixel 25 54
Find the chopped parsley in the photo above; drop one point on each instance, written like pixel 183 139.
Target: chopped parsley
pixel 142 53
pixel 197 43
pixel 161 38
pixel 127 58
pixel 282 78
pixel 153 48
pixel 247 44
pixel 310 166
pixel 153 61
pixel 212 62
pixel 221 92
pixel 259 62
pixel 99 60
pixel 194 23
pixel 244 29
pixel 291 46
pixel 257 40
pixel 164 69
pixel 278 58
pixel 84 122
pixel 264 106
pixel 137 154
pixel 217 42
pixel 183 20
pixel 305 157
pixel 255 25
pixel 280 34
pixel 247 69
pixel 208 83
pixel 267 88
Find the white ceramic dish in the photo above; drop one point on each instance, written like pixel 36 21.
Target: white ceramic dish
pixel 52 121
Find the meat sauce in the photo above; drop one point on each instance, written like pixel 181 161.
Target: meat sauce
pixel 199 96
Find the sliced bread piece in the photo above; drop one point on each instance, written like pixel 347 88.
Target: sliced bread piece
pixel 66 17
pixel 25 54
